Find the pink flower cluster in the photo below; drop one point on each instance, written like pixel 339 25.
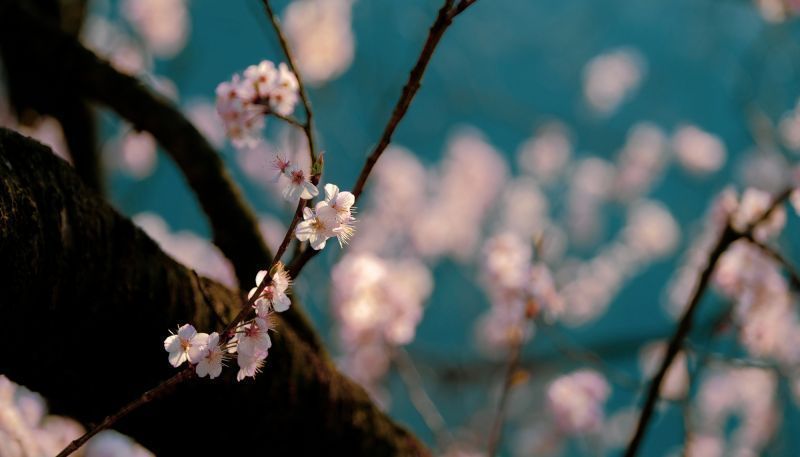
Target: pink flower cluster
pixel 332 217
pixel 728 393
pixel 519 289
pixel 26 429
pixel 250 341
pixel 576 401
pixel 244 101
pixel 378 305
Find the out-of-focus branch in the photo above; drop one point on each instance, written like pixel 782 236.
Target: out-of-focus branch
pixel 72 67
pixel 496 432
pixel 102 296
pixel 727 237
pixel 794 276
pixel 308 126
pixel 443 20
pixel 80 132
pixel 419 397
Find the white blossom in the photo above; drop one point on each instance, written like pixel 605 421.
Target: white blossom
pixel 183 345
pixel 299 186
pixel 210 357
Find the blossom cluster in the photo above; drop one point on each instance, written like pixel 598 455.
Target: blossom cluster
pixel 250 340
pixel 378 305
pixel 764 308
pixel 331 217
pixel 245 100
pixel 519 288
pixel 744 396
pixel 321 36
pixel 26 429
pixel 576 401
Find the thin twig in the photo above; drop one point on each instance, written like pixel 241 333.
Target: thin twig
pixel 725 239
pixel 247 308
pixel 152 394
pixel 496 432
pixel 582 355
pixel 419 397
pixel 206 299
pixel 289 120
pixel 443 20
pixel 308 126
pixel 464 4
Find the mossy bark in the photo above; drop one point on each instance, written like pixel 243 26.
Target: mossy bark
pixel 87 299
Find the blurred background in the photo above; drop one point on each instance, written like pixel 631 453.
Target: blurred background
pixel 595 133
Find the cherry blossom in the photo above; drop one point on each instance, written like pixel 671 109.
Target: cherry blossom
pixel 322 223
pixel 299 186
pixel 243 102
pixel 262 77
pixel 273 297
pixel 698 151
pixel 184 344
pixel 209 357
pixel 342 202
pixel 610 78
pixel 250 363
pixel 254 337
pixel 576 401
pixel 320 33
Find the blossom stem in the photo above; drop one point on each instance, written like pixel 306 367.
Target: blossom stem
pixel 420 398
pixel 308 126
pixel 288 120
pixel 508 382
pixel 152 394
pixel 443 20
pixel 248 305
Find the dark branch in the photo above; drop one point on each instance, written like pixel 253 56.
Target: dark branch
pixel 726 237
pixel 443 20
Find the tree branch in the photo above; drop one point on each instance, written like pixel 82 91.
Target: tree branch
pixel 727 237
pixel 443 20
pixel 44 50
pixel 92 297
pixel 308 126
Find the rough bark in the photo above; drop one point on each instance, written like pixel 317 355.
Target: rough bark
pixel 87 300
pixel 49 56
